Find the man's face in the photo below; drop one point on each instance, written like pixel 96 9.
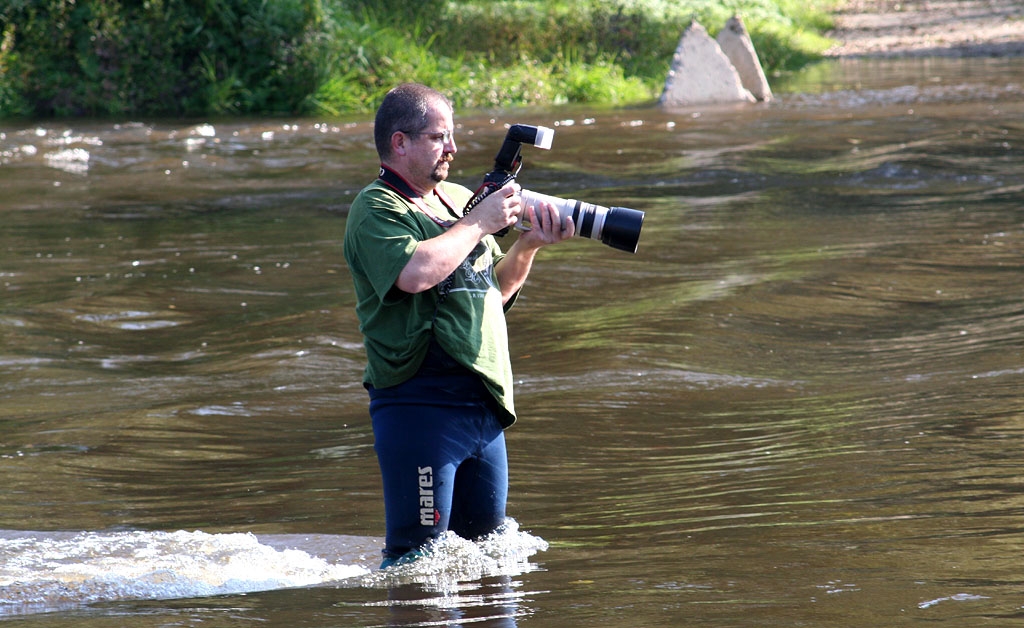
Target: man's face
pixel 431 149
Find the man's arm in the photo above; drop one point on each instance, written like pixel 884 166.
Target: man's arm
pixel 436 258
pixel 545 229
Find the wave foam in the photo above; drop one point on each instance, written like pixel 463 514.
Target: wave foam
pixel 61 571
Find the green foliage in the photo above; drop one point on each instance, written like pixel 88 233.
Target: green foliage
pixel 603 82
pixel 201 57
pixel 786 49
pixel 396 13
pixel 11 101
pixel 94 57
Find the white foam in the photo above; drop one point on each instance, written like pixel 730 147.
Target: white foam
pixel 204 130
pixel 73 160
pixel 58 571
pixel 45 571
pixel 451 560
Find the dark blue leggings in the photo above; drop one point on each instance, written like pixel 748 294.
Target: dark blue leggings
pixel 442 457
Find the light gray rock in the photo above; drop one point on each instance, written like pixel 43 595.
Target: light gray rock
pixel 735 43
pixel 701 73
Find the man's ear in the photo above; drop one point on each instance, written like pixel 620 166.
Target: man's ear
pixel 399 142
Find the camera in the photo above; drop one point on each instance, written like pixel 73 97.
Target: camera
pixel 618 227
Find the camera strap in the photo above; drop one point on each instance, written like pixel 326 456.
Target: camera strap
pixel 398 183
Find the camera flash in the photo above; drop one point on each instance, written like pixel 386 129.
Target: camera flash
pixel 544 137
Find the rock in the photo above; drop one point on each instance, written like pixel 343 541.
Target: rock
pixel 701 73
pixel 735 43
pixel 707 71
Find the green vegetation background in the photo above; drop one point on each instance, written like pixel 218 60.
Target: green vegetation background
pixel 215 57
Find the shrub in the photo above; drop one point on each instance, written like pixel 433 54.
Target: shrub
pixel 90 57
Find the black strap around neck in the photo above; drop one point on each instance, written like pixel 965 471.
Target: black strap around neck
pixel 398 183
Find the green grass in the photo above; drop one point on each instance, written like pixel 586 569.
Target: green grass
pixel 533 52
pixel 201 57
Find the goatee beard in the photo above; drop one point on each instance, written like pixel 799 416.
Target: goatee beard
pixel 439 174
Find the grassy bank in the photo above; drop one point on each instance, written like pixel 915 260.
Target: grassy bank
pixel 203 57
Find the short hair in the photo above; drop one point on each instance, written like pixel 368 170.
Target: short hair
pixel 404 108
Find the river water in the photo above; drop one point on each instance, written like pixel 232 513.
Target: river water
pixel 798 404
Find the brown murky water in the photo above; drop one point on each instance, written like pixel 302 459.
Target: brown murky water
pixel 798 404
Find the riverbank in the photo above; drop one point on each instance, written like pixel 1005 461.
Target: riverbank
pixel 340 56
pixel 922 28
pixel 335 57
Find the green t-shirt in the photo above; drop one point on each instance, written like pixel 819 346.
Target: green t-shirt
pixel 381 235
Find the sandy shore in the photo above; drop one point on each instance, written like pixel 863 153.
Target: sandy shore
pixel 885 28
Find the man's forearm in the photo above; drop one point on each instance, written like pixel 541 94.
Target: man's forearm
pixel 513 269
pixel 438 257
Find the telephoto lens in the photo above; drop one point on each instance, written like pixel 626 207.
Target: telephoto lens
pixel 618 227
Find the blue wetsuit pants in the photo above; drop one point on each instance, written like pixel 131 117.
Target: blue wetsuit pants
pixel 442 458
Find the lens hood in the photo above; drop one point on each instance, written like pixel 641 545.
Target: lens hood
pixel 622 228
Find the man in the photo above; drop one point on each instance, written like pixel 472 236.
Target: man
pixel 432 287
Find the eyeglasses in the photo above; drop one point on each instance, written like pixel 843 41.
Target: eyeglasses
pixel 445 137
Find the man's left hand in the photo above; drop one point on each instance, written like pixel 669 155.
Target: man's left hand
pixel 545 226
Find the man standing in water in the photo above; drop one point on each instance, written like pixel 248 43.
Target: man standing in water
pixel 432 287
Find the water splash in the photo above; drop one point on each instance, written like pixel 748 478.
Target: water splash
pixel 958 597
pixel 39 573
pixel 47 571
pixel 450 560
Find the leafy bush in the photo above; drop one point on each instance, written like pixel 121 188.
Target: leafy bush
pixel 92 57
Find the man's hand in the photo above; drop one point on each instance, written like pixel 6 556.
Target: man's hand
pixel 545 226
pixel 500 209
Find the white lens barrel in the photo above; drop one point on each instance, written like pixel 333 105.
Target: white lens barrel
pixel 564 206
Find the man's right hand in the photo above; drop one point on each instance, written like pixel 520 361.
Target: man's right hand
pixel 498 210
